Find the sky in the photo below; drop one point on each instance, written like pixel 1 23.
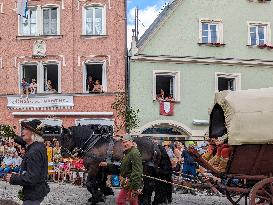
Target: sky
pixel 148 11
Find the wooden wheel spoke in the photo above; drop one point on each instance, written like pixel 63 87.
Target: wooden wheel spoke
pixel 262 193
pixel 271 188
pixel 268 194
pixel 264 198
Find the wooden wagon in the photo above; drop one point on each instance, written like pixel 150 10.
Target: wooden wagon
pixel 247 118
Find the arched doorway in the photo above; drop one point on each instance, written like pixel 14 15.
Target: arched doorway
pixel 164 129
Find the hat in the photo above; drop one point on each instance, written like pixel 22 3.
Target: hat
pixel 35 126
pixel 191 143
pixel 127 137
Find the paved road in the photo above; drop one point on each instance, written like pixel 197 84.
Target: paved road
pixel 66 194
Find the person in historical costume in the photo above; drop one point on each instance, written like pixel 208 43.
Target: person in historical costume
pixel 211 150
pixel 220 160
pixel 131 171
pixel 34 165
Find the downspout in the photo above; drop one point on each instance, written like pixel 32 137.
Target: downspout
pixel 127 60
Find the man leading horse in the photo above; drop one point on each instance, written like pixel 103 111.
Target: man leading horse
pixel 131 171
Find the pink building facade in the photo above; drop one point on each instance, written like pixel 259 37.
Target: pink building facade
pixel 75 51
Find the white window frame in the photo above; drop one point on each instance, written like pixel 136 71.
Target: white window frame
pixel 39 20
pixel 220 26
pixel 267 34
pixel 102 121
pixel 20 31
pixel 59 122
pixel 40 75
pixel 236 76
pixel 176 86
pixel 1 8
pixel 103 19
pixel 48 6
pixel 104 74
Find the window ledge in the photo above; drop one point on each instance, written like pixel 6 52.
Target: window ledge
pixel 94 36
pixel 173 101
pixel 64 94
pixel 269 47
pixel 260 1
pixel 212 44
pixel 39 37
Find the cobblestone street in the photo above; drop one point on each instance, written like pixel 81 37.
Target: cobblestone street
pixel 66 194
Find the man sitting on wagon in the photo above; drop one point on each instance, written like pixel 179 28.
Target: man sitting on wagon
pixel 220 160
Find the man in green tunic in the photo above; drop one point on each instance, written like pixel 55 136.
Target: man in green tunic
pixel 131 171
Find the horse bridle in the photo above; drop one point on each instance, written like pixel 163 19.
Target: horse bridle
pixel 89 146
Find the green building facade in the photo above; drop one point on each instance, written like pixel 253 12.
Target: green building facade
pixel 193 49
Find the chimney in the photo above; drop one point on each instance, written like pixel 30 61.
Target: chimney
pixel 134 48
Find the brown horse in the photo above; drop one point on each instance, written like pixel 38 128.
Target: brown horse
pixel 96 144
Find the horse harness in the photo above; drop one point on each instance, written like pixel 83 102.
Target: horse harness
pixel 91 142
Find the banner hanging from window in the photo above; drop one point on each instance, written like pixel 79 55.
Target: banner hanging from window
pixel 166 108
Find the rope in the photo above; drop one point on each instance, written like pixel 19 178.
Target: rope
pixel 167 182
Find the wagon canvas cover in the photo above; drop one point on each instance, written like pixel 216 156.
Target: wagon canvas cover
pixel 248 115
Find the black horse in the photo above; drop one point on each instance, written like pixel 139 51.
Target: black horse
pixel 96 144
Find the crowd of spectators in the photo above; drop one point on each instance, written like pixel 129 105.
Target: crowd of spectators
pixel 11 156
pixel 64 169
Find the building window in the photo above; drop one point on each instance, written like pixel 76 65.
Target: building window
pixel 227 81
pixel 95 77
pixel 40 21
pixel 53 127
pixel 93 121
pixel 29 25
pixel 50 21
pixel 166 85
pixel 211 31
pixel 94 20
pixel 40 78
pixel 51 78
pixel 258 34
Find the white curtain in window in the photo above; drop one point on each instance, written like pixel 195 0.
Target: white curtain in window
pixel 50 21
pixel 94 21
pixel 29 25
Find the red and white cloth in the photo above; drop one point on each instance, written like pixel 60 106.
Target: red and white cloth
pixel 166 108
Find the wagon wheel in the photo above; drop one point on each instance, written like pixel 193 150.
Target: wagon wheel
pixel 234 197
pixel 262 193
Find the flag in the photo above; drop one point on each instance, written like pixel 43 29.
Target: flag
pixel 166 108
pixel 22 8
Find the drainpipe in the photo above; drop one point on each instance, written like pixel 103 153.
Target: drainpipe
pixel 126 57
